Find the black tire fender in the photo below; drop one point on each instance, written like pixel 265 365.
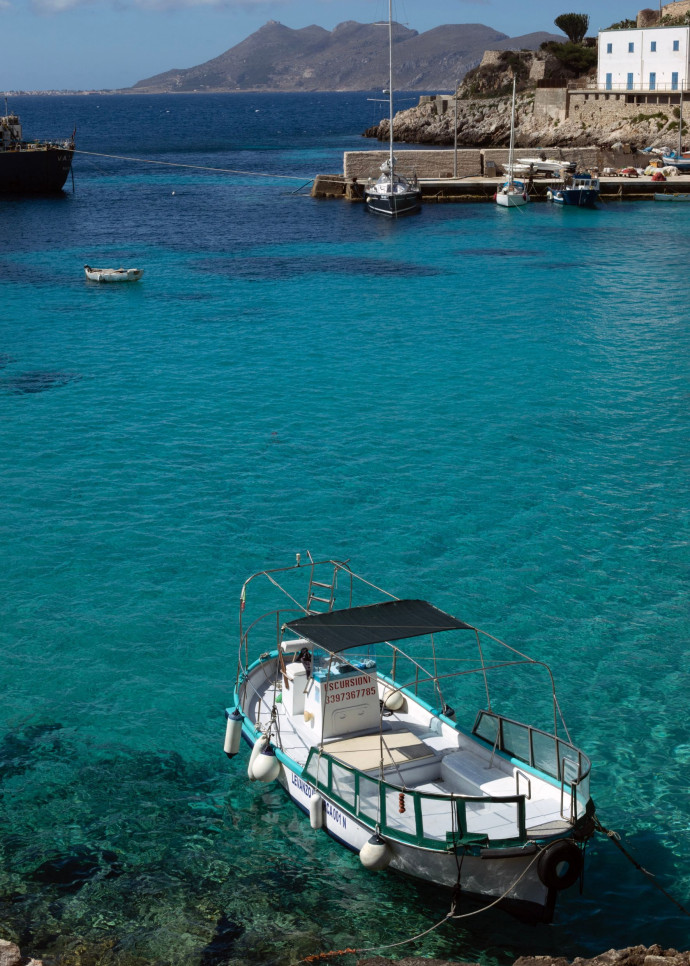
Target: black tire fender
pixel 560 864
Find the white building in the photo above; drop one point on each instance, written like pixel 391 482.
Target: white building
pixel 645 59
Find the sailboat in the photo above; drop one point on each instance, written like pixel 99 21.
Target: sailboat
pixel 679 159
pixel 392 194
pixel 513 193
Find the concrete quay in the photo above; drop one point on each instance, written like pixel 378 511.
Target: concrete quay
pixel 474 174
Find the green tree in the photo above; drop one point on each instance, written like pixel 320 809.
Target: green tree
pixel 573 25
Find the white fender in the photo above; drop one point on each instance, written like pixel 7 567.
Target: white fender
pixel 266 765
pixel 233 733
pixel 259 746
pixel 393 700
pixel 316 811
pixel 375 854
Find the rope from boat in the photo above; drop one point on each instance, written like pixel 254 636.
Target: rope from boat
pixel 449 915
pixel 616 839
pixel 198 167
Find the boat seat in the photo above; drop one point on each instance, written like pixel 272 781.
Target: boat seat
pixel 469 775
pixel 365 752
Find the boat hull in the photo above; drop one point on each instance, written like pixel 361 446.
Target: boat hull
pixel 511 199
pixel 578 198
pixel 673 160
pixel 43 170
pixel 485 877
pixel 393 204
pixel 113 275
pixel 678 196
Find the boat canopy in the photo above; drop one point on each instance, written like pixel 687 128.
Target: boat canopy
pixel 340 630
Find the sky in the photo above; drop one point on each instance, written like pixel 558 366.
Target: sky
pixel 106 44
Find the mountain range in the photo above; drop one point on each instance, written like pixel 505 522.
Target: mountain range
pixel 351 57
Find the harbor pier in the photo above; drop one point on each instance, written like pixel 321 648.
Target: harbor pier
pixel 474 174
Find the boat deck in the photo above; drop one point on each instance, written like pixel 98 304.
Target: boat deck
pixel 411 756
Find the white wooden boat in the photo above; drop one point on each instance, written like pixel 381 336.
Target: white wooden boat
pixel 392 194
pixel 545 165
pixel 512 194
pixel 345 708
pixel 113 274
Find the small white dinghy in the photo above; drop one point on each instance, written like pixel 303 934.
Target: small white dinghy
pixel 113 274
pixel 344 708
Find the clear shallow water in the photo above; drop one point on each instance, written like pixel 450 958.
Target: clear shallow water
pixel 486 408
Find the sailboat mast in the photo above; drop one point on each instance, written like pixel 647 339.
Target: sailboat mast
pixel 390 83
pixel 512 138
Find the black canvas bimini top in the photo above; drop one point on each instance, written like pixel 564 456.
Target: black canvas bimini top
pixel 339 630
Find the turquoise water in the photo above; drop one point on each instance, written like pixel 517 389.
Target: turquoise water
pixel 487 408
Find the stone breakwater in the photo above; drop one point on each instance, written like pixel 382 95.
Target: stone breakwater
pixel 560 117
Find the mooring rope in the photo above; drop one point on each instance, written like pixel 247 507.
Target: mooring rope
pixel 616 839
pixel 198 167
pixel 449 915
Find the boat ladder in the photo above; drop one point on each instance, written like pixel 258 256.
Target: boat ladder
pixel 322 593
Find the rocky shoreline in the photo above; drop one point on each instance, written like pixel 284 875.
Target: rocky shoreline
pixel 485 122
pixel 631 956
pixel 11 955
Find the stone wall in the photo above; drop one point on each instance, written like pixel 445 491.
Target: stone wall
pixel 595 108
pixel 472 162
pixel 426 164
pixel 551 102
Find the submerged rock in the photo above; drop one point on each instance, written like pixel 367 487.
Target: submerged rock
pixel 11 955
pixel 70 870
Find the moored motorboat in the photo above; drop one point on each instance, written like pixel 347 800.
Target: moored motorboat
pixel 347 708
pixel 392 193
pixel 581 191
pixel 113 274
pixel 672 196
pixel 31 167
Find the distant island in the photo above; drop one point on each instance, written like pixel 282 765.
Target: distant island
pixel 351 57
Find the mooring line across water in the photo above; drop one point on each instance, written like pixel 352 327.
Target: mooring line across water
pixel 198 167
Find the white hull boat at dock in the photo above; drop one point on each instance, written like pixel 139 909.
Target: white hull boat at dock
pixel 513 194
pixel 344 708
